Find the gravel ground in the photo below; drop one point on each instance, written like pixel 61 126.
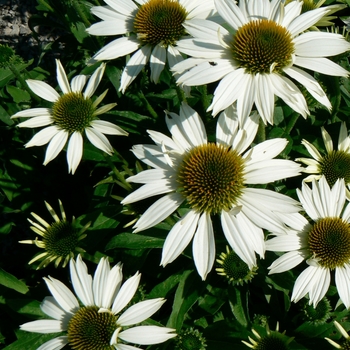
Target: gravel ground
pixel 14 29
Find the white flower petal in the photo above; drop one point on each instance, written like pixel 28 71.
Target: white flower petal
pixel 43 326
pixel 158 211
pixel 157 62
pixel 147 335
pixel 78 83
pixel 74 151
pixel 286 262
pixel 342 281
pixel 126 292
pixel 43 90
pixel 54 344
pixel 139 312
pixel 108 128
pixel 51 308
pixel 55 146
pixel 33 112
pixel 204 246
pixel 94 81
pixel 36 122
pixel 99 140
pixel 43 136
pixel 134 66
pixel 62 78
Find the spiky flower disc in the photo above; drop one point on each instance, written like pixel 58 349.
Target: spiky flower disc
pixel 60 239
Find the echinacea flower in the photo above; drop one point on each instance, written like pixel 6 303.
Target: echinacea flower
pixel 212 178
pixel 267 49
pixel 269 340
pixel 324 243
pixel 234 269
pixel 97 319
pixel 335 164
pixel 72 114
pixel 345 345
pixel 190 339
pixel 59 240
pixel 152 28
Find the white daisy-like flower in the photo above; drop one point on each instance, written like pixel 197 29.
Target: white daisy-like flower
pixel 72 114
pixel 212 178
pixel 335 164
pixel 97 319
pixel 323 243
pixel 255 59
pixel 152 28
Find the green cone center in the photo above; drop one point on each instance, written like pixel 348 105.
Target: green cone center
pixel 262 46
pixel 191 339
pixel 211 178
pixel 61 238
pixel 90 330
pixel 234 268
pixel 271 342
pixel 320 314
pixel 336 165
pixel 160 22
pixel 329 242
pixel 73 112
pixel 345 345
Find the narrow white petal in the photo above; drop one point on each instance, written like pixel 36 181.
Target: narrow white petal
pixel 159 211
pixel 43 90
pixel 227 127
pixel 43 136
pixel 149 176
pixel 286 262
pixel 43 326
pixel 82 281
pixel 125 7
pixel 74 151
pixel 62 78
pixel 51 308
pixel 54 344
pixel 114 26
pixel 94 81
pixel 139 312
pixel 64 297
pixel 99 140
pixel 157 62
pixel 312 150
pixel 342 281
pixel 121 346
pixel 126 293
pixel 134 66
pixel 231 13
pixel 36 122
pixel 117 48
pixel 204 246
pixel 151 155
pixel 33 112
pixel 147 335
pixel 320 286
pixel 108 128
pixel 284 243
pixel 264 97
pixel 78 83
pixel 55 146
pixel 321 65
pixel 265 150
pixel 150 189
pixel 179 237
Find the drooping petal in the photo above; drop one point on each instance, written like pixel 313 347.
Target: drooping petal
pixel 108 128
pixel 342 281
pixel 99 140
pixel 36 122
pixel 55 146
pixel 286 262
pixel 94 81
pixel 74 151
pixel 43 326
pixel 204 246
pixel 78 83
pixel 43 136
pixel 55 343
pixel 33 112
pixel 157 62
pixel 179 237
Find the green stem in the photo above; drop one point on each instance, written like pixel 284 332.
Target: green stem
pixel 25 86
pixel 180 94
pixel 121 181
pixel 81 13
pixel 150 109
pixel 45 4
pixel 292 121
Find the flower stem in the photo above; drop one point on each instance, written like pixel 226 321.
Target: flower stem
pixel 150 109
pixel 121 181
pixel 81 13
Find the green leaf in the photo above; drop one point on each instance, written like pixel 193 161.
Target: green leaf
pixel 18 94
pixel 239 305
pixel 187 294
pixel 163 288
pixel 31 341
pixel 28 307
pixel 134 241
pixel 10 281
pixel 5 117
pixel 79 31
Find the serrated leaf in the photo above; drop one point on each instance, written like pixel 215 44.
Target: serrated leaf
pixel 10 281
